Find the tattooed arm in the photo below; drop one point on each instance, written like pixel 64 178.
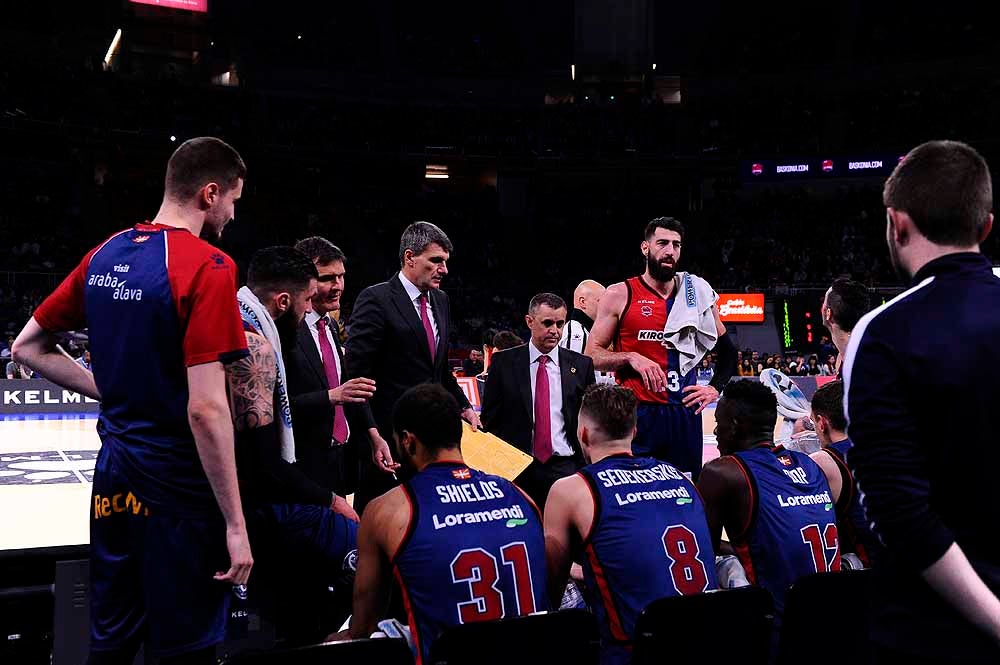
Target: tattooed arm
pixel 251 385
pixel 258 444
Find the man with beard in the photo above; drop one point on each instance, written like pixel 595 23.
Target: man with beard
pixel 920 395
pixel 845 302
pixel 303 532
pixel 633 315
pixel 464 545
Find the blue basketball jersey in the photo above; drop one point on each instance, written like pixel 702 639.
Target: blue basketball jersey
pixel 649 539
pixel 855 533
pixel 792 530
pixel 474 551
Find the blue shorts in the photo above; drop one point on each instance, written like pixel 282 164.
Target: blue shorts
pixel 672 433
pixel 151 574
pixel 309 536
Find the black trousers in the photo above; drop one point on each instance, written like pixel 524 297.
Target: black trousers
pixel 538 478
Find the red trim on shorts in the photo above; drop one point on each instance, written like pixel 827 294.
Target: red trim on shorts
pixel 614 619
pixel 410 619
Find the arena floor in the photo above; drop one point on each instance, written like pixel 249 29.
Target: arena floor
pixel 46 468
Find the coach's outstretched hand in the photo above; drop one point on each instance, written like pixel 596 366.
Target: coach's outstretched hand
pixel 472 418
pixel 240 559
pixel 700 397
pixel 340 506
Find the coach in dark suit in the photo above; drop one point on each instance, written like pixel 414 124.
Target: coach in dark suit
pixel 398 336
pixel 332 422
pixel 532 398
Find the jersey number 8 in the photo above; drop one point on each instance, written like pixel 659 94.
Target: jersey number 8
pixel 686 570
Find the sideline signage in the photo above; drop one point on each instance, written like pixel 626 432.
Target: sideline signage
pixel 42 396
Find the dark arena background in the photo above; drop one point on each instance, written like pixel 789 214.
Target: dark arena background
pixel 541 136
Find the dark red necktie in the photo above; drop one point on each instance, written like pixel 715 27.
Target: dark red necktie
pixel 425 317
pixel 333 379
pixel 543 422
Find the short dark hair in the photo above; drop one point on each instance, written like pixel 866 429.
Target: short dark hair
pixel 828 401
pixel 278 269
pixel 430 413
pixel 668 223
pixel 550 299
pixel 418 236
pixel 320 250
pixel 506 339
pixel 753 402
pixel 848 302
pixel 199 161
pixel 488 336
pixel 945 188
pixel 611 407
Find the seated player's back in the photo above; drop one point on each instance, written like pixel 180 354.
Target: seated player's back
pixel 649 539
pixel 792 528
pixel 473 551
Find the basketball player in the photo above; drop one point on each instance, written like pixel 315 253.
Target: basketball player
pixel 464 545
pixel 831 429
pixel 163 324
pixel 632 315
pixel 775 504
pixel 845 302
pixel 291 518
pixel 639 522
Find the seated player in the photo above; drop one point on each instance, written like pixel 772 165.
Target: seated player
pixel 775 504
pixel 831 424
pixel 305 528
pixel 464 545
pixel 639 522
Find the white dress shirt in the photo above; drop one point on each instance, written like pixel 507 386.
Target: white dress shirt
pixel 414 293
pixel 311 319
pixel 560 445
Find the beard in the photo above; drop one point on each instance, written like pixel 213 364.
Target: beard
pixel 406 463
pixel 288 327
pixel 658 271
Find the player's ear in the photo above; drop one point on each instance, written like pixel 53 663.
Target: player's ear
pixel 283 301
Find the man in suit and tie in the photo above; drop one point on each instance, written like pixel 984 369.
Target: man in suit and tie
pixel 398 336
pixel 532 398
pixel 332 420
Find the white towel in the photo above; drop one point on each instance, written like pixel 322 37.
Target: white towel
pixel 255 314
pixel 690 328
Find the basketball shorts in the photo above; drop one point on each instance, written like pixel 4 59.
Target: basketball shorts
pixel 151 574
pixel 672 433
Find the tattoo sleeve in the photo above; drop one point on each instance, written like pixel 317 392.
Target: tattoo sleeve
pixel 251 385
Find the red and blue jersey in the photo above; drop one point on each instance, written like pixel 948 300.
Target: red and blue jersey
pixel 649 539
pixel 474 551
pixel 640 330
pixel 156 300
pixel 791 530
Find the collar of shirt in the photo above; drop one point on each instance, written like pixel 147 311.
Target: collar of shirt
pixel 581 317
pixel 534 354
pixel 312 318
pixel 954 263
pixel 411 289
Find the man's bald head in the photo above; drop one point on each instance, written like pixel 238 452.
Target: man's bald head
pixel 586 297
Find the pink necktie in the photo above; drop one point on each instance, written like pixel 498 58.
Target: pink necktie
pixel 333 379
pixel 543 423
pixel 426 318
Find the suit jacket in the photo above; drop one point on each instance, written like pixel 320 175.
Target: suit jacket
pixel 312 413
pixel 508 410
pixel 387 343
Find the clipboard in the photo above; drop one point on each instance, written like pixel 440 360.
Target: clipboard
pixel 487 453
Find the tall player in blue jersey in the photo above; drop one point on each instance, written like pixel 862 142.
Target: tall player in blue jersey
pixel 160 307
pixel 638 523
pixel 464 546
pixel 775 504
